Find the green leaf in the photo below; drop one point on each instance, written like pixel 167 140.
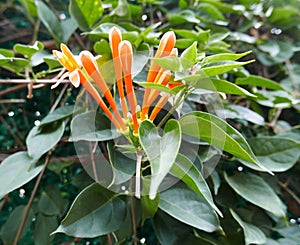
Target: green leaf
pixel 13 64
pixel 218 133
pixel 68 26
pixel 102 47
pixel 51 202
pixel 43 227
pixel 29 50
pixel 156 86
pixel 161 151
pixel 59 114
pixel 217 68
pixel 123 164
pixel 275 153
pixel 91 126
pixel 10 228
pixel 50 21
pixel 253 80
pixel 285 52
pixel 213 84
pixel 188 207
pixel 189 56
pixel 52 63
pixel 253 235
pixel 184 170
pixel 96 211
pixel 168 62
pixel 39 141
pixel 86 13
pixel 16 170
pixel 241 112
pixel 255 190
pixel 168 229
pixel 149 206
pixel 223 57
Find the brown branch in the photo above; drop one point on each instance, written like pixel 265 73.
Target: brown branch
pixel 12 89
pixel 288 190
pixel 5 199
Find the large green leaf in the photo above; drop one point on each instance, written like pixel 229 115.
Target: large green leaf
pixel 253 235
pixel 224 56
pixel 241 112
pixel 255 190
pixel 16 170
pixel 213 84
pixel 218 133
pixel 217 68
pixel 275 153
pixel 253 80
pixel 184 169
pixel 160 150
pixel 40 141
pixel 95 211
pixel 188 207
pixel 91 126
pixel 86 13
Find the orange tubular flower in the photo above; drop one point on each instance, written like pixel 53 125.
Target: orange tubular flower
pixel 89 64
pixel 165 48
pixel 114 39
pixel 125 52
pixel 77 77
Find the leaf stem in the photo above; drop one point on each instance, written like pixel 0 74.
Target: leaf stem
pixel 37 183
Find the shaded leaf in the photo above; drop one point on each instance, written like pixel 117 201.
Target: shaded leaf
pixel 275 153
pixel 253 80
pixel 40 141
pixel 253 235
pixel 16 170
pixel 255 190
pixel 184 169
pixel 10 228
pixel 95 211
pixel 188 207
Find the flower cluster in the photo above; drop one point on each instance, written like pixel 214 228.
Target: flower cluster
pixel 122 54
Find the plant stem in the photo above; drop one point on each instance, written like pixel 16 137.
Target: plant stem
pixel 37 183
pixel 133 220
pixel 139 156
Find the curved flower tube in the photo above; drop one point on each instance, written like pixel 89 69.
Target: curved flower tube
pixel 115 38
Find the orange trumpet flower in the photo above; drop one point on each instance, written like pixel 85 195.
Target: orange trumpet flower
pixel 77 77
pixel 125 51
pixel 114 40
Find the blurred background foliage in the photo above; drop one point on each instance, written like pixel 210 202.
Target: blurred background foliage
pixel 271 29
